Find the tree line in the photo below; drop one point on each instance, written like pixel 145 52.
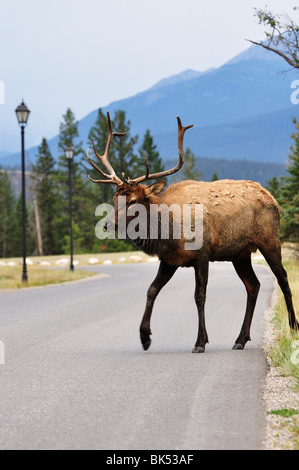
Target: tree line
pixel 48 215
pixel 282 39
pixel 286 192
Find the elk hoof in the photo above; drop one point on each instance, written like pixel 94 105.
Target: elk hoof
pixel 198 349
pixel 238 347
pixel 146 344
pixel 145 338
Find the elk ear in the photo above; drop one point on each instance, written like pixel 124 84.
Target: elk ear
pixel 155 188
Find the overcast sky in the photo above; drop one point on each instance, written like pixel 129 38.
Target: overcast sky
pixel 84 54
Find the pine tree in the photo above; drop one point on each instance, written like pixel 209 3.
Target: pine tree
pixel 123 159
pixel 121 154
pixel 69 135
pixel 189 171
pixel 289 194
pixel 99 134
pixel 7 217
pixel 44 175
pixel 31 241
pixel 82 215
pixel 125 163
pixel 215 177
pixel 152 155
pixel 274 187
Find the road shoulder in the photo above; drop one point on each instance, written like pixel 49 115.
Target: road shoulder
pixel 278 390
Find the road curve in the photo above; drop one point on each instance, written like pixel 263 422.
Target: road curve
pixel 76 376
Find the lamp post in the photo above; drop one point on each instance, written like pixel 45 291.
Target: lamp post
pixel 69 153
pixel 22 113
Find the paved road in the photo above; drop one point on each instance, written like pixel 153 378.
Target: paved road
pixel 76 376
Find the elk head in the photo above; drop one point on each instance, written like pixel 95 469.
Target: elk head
pixel 132 191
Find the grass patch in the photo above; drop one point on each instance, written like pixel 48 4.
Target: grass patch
pixel 285 413
pixel 284 353
pixel 39 275
pixel 11 277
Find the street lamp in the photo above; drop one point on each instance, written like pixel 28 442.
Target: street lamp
pixel 22 113
pixel 69 153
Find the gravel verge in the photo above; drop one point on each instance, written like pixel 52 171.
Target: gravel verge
pixel 278 392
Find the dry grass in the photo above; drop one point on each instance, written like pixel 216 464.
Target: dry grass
pixel 286 340
pixel 11 277
pixel 284 353
pixel 284 350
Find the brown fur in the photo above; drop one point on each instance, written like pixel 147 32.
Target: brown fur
pixel 239 217
pixel 232 216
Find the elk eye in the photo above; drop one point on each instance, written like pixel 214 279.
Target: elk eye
pixel 133 201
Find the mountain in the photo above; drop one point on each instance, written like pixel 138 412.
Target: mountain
pixel 235 169
pixel 179 78
pixel 229 94
pixel 241 110
pixel 265 138
pixel 254 53
pixel 4 153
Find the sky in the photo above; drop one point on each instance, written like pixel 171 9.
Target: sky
pixel 85 54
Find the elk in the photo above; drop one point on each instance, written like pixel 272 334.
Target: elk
pixel 239 217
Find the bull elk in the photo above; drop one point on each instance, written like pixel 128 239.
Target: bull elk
pixel 239 217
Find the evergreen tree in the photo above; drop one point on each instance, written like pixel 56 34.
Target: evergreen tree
pixel 123 159
pixel 289 194
pixel 274 186
pixel 189 171
pixel 69 136
pixel 215 177
pixel 121 153
pixel 125 163
pixel 18 230
pixel 7 217
pixel 152 155
pixel 81 209
pixel 99 134
pixel 44 175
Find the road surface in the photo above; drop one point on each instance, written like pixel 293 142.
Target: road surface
pixel 76 376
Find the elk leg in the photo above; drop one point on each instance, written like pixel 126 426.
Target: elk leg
pixel 201 277
pixel 164 275
pixel 245 272
pixel 274 259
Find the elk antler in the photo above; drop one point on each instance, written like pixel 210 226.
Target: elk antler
pixel 112 178
pixel 147 176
